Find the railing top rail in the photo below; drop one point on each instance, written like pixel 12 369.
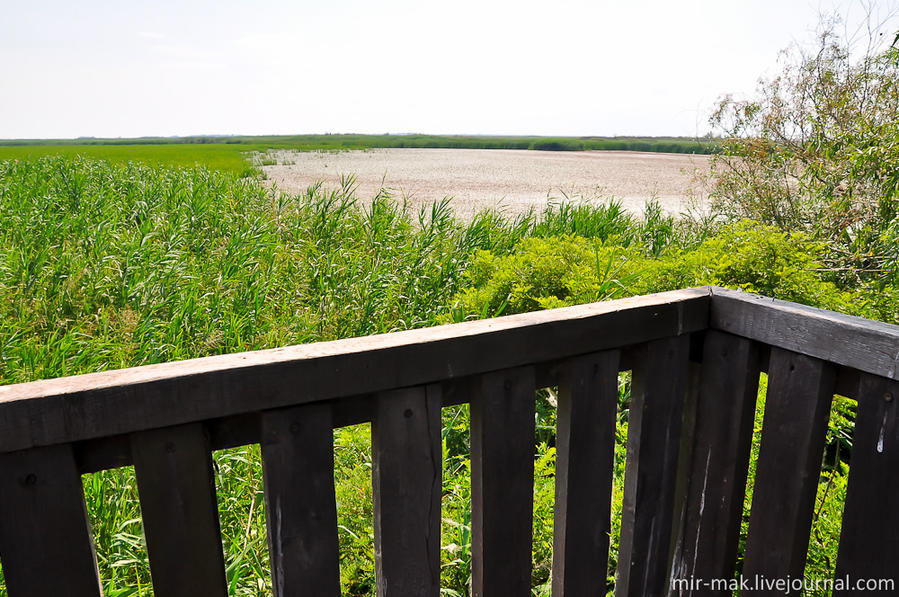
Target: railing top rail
pixel 122 401
pixel 855 342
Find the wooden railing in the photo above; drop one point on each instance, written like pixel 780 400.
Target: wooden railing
pixel 695 357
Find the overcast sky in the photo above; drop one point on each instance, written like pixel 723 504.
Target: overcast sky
pixel 555 67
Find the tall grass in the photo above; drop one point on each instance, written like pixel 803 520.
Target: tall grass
pixel 109 265
pixel 105 266
pixel 234 159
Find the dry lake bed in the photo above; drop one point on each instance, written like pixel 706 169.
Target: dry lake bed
pixel 512 180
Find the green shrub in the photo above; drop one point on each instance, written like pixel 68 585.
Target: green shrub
pixel 816 149
pixel 541 273
pixel 755 258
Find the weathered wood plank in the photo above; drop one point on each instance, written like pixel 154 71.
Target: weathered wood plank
pixel 102 453
pixel 502 483
pixel 869 346
pixel 300 505
pixel 177 498
pixel 239 430
pixel 716 482
pixel 45 539
pixel 585 459
pixel 116 402
pixel 407 485
pixel 869 541
pixel 797 408
pixel 653 448
pixel 685 454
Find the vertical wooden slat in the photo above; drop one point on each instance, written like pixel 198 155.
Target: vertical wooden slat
pixel 869 540
pixel 301 511
pixel 585 458
pixel 722 439
pixel 502 483
pixel 797 408
pixel 653 447
pixel 177 498
pixel 685 451
pixel 45 538
pixel 407 480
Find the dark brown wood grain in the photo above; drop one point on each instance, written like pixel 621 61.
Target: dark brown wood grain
pixel 407 483
pixel 301 511
pixel 502 483
pixel 862 344
pixel 180 513
pixel 653 450
pixel 45 539
pixel 117 402
pixel 797 408
pixel 869 541
pixel 585 459
pixel 716 480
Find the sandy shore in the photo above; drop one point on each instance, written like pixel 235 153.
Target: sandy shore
pixel 513 180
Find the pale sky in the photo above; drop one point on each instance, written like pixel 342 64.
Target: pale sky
pixel 599 67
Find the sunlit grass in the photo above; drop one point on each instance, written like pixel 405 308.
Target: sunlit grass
pixel 220 156
pixel 110 264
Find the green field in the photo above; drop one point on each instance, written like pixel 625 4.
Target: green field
pixel 232 154
pixel 108 265
pixel 219 156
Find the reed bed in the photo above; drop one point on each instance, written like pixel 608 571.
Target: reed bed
pixel 108 265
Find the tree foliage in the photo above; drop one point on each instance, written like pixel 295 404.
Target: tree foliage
pixel 817 149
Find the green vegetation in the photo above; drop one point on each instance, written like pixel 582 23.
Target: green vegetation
pixel 227 158
pixel 558 271
pixel 106 265
pixel 235 154
pixel 108 262
pixel 350 141
pixel 817 149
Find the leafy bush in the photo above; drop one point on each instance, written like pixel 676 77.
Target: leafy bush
pixel 541 273
pixel 755 258
pixel 550 272
pixel 817 149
